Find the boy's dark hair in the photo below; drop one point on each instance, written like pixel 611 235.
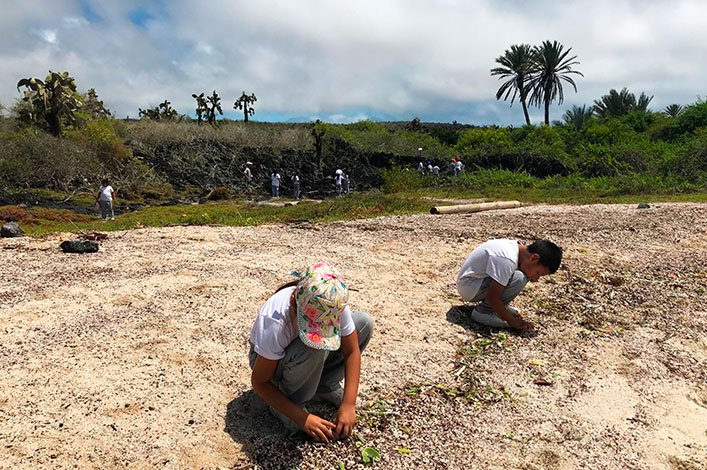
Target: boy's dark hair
pixel 550 254
pixel 105 181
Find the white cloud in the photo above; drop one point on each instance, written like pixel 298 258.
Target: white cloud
pixel 402 58
pixel 49 35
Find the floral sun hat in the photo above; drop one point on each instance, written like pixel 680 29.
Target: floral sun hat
pixel 321 296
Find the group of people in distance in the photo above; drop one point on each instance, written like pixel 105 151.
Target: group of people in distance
pixel 341 182
pixel 426 168
pixel 306 339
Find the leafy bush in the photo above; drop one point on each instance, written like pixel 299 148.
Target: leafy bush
pixel 692 118
pixel 485 141
pixel 543 140
pixel 100 136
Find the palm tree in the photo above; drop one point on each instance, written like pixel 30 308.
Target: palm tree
pixel 551 65
pixel 516 65
pixel 619 103
pixel 673 110
pixel 643 102
pixel 577 117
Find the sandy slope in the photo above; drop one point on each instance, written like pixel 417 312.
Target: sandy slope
pixel 136 356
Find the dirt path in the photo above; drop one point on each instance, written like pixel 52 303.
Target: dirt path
pixel 135 357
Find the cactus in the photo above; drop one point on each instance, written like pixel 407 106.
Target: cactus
pixel 53 102
pixel 245 102
pixel 94 107
pixel 206 107
pixel 161 112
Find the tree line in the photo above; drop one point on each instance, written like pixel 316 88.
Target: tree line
pixel 535 74
pixel 54 102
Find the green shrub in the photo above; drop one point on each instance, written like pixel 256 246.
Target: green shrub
pixel 485 141
pixel 690 120
pixel 398 179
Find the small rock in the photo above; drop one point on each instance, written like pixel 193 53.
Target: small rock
pixel 11 229
pixel 643 205
pixel 79 246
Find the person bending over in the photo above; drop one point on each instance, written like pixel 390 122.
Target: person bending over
pixel 305 340
pixel 495 273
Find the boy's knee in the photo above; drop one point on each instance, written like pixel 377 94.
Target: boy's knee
pixel 364 322
pixel 518 280
pixel 364 327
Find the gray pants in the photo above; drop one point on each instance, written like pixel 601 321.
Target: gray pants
pixel 305 371
pixel 295 190
pixel 275 191
pixel 106 209
pixel 474 290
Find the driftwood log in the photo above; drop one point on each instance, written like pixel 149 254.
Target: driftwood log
pixel 482 206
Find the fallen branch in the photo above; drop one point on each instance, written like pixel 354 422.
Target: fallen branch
pixel 483 206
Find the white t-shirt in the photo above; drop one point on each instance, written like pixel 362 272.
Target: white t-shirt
pixel 273 330
pixel 275 179
pixel 295 179
pixel 106 193
pixel 497 259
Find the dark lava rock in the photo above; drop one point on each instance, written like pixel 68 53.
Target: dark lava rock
pixel 79 246
pixel 11 229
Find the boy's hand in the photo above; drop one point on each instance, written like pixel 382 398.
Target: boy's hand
pixel 318 428
pixel 345 420
pixel 522 325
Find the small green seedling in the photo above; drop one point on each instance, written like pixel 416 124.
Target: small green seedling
pixel 403 450
pixel 370 455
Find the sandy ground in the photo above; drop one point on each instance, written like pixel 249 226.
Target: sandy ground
pixel 135 356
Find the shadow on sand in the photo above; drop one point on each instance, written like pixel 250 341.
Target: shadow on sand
pixel 268 444
pixel 461 315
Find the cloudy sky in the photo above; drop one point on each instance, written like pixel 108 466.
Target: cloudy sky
pixel 343 61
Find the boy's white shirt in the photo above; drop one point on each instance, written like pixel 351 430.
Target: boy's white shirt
pixel 273 330
pixel 497 259
pixel 106 193
pixel 275 179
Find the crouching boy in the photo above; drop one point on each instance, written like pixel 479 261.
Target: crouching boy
pixel 495 273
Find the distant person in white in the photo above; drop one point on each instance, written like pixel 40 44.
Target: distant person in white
pixel 275 184
pixel 345 183
pixel 105 200
pixel 338 181
pixel 247 173
pixel 295 187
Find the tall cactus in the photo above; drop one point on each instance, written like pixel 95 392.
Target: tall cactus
pixel 206 107
pixel 245 102
pixel 53 101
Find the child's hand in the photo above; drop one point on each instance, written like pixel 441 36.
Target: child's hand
pixel 522 325
pixel 345 420
pixel 318 428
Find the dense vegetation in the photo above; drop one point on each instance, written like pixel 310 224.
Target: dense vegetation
pixel 615 147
